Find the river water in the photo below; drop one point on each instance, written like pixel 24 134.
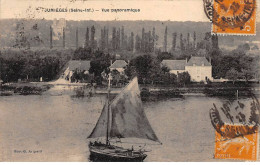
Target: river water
pixel 54 126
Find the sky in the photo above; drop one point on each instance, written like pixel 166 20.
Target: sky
pixel 162 10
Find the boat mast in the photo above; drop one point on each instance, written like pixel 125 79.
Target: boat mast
pixel 108 108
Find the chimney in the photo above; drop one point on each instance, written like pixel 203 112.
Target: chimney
pixel 210 60
pixel 128 61
pixel 110 62
pixel 186 60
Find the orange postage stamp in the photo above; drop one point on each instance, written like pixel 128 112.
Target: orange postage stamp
pixel 237 17
pixel 241 147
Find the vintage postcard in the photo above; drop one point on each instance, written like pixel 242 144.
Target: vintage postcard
pixel 149 80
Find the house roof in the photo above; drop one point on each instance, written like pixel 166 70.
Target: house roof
pixel 79 64
pixel 198 61
pixel 174 64
pixel 118 64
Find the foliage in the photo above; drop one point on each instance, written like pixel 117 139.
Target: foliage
pixel 31 65
pixel 164 55
pixel 118 78
pixel 149 71
pixel 99 63
pixel 183 78
pixel 232 74
pixel 82 54
pixel 81 77
pixel 233 61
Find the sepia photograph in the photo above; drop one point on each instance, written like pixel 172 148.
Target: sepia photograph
pixel 128 81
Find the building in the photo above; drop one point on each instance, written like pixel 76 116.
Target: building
pixel 175 66
pixel 76 66
pixel 199 68
pixel 118 65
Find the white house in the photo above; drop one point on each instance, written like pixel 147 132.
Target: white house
pixel 118 65
pixel 175 66
pixel 199 68
pixel 76 65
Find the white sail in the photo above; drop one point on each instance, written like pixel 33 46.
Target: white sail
pixel 127 118
pixel 100 128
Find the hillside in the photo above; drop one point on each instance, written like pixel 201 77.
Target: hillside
pixel 41 28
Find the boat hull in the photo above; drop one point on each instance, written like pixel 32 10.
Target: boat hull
pixel 104 155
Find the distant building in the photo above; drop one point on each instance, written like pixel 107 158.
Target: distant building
pixel 175 66
pixel 118 65
pixel 76 66
pixel 199 68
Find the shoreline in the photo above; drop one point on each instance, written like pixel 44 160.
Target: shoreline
pixel 147 92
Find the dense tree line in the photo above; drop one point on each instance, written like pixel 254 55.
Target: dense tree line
pixel 234 64
pixel 47 64
pixel 31 69
pixel 31 65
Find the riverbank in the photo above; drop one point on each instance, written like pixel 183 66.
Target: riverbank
pixel 148 92
pixel 24 89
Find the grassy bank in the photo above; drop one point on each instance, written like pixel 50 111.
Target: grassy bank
pixel 25 88
pixel 150 93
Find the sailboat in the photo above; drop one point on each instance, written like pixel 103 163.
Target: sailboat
pixel 122 118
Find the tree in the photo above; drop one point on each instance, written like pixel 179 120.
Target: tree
pixel 92 37
pixel 168 78
pixel 63 36
pixel 164 56
pixel 144 67
pixel 100 63
pixel 188 41
pixel 232 74
pixel 181 42
pixel 118 39
pixel 77 38
pixel 183 78
pixel 194 40
pixel 165 40
pixel 214 39
pixel 114 39
pixel 87 38
pixel 106 38
pixel 153 40
pixel 247 74
pixel 115 76
pixel 82 54
pixel 132 42
pixel 102 39
pixel 138 43
pixel 174 37
pixel 165 69
pixel 142 40
pixel 123 46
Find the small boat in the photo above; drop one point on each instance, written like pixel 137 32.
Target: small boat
pixel 122 118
